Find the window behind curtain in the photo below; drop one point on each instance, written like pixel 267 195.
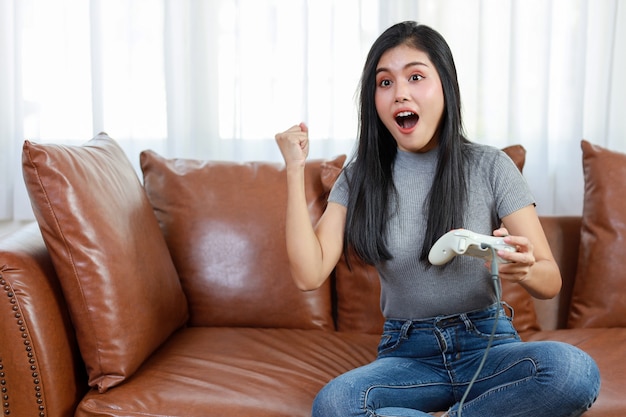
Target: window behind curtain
pixel 101 65
pixel 216 79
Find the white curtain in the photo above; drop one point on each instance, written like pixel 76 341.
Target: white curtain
pixel 216 79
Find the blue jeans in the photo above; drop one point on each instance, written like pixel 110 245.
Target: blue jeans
pixel 426 365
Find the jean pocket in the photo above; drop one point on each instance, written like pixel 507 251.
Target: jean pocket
pixel 504 329
pixel 389 341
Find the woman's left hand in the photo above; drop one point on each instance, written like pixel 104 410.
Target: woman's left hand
pixel 519 262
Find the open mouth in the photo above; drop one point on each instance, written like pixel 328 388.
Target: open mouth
pixel 407 119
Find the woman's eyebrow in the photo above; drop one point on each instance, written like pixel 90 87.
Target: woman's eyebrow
pixel 410 64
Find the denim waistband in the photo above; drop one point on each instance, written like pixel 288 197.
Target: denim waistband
pixel 452 319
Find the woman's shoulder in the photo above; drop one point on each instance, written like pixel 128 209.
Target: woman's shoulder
pixel 479 150
pixel 479 153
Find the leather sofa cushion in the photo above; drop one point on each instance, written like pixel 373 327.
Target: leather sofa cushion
pixel 121 288
pixel 224 223
pixel 358 290
pixel 598 298
pixel 226 371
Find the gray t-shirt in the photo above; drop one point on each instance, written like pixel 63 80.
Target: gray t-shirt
pixel 409 288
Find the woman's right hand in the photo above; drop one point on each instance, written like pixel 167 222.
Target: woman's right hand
pixel 294 144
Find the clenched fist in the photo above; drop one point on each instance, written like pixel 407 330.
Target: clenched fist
pixel 294 144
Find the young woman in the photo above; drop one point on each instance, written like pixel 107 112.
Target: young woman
pixel 413 178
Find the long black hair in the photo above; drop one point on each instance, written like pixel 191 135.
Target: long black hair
pixel 370 177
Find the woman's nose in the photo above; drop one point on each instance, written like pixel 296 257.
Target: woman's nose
pixel 401 93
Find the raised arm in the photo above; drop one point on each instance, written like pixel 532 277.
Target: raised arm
pixel 313 252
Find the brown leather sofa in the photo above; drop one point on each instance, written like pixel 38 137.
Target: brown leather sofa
pixel 172 297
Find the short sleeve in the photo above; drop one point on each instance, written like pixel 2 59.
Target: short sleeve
pixel 510 189
pixel 339 193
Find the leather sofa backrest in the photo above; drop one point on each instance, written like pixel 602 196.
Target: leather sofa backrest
pixel 224 224
pixel 563 234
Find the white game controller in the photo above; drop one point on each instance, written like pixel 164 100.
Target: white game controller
pixel 464 242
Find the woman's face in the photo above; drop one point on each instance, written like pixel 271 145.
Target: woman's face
pixel 409 97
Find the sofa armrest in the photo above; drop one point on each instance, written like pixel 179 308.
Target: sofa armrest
pixel 563 234
pixel 40 366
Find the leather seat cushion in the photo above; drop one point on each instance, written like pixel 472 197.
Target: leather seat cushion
pixel 225 371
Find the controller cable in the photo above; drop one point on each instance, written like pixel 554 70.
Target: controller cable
pixel 496 282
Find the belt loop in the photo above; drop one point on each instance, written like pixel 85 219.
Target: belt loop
pixel 510 308
pixel 466 321
pixel 404 332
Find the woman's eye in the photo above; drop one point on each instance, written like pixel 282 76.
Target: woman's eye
pixel 384 83
pixel 416 77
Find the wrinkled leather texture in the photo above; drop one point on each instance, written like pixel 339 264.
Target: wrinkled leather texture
pixel 224 225
pixel 122 290
pixel 358 289
pixel 599 298
pixel 243 372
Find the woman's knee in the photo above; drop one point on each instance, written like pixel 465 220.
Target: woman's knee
pixel 337 398
pixel 571 372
